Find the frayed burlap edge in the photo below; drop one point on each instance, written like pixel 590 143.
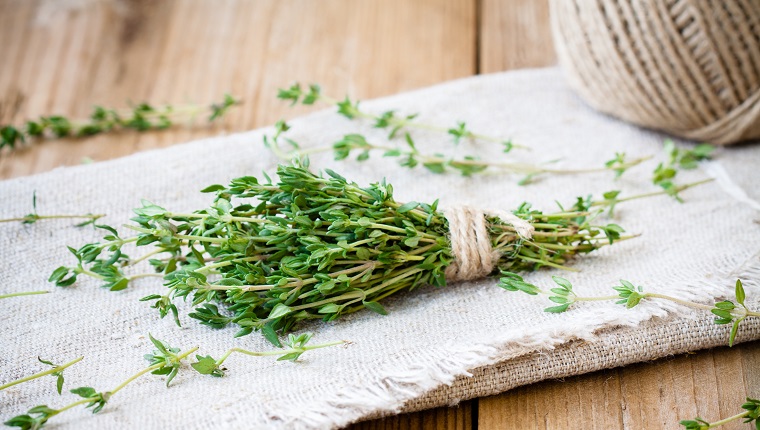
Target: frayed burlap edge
pixel 614 347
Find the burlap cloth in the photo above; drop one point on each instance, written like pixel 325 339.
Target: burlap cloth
pixel 437 346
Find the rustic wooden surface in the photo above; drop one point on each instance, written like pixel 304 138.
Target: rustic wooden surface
pixel 63 56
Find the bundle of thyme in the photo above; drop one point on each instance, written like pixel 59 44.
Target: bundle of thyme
pixel 317 247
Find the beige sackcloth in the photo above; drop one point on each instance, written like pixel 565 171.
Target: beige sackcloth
pixel 437 346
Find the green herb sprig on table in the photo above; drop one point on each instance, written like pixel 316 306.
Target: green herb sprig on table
pixel 56 371
pixel 141 117
pixel 314 247
pixel 33 217
pixel 678 159
pixel 296 346
pixel 164 360
pixel 388 120
pixel 750 414
pixel 409 156
pixel 726 312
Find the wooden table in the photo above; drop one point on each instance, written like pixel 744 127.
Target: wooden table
pixel 63 56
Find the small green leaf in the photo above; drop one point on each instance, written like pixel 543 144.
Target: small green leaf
pixel 633 300
pixel 293 356
pixel 740 296
pixel 158 344
pixel 58 274
pixel 213 188
pixel 85 392
pixel 412 241
pixel 407 207
pixel 557 309
pixel 562 282
pixel 330 308
pixel 722 313
pixel 335 175
pixel 279 310
pixel 271 335
pixel 206 365
pixel 119 285
pixel 734 329
pixel 375 307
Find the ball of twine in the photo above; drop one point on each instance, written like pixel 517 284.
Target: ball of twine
pixel 687 67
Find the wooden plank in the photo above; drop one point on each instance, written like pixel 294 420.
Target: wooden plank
pixel 454 418
pixel 70 55
pixel 514 34
pixel 712 384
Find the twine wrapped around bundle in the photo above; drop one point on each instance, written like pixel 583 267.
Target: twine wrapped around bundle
pixel 687 67
pixel 474 256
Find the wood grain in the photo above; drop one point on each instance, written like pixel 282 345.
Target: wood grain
pixel 454 418
pixel 67 56
pixel 514 34
pixel 711 384
pixel 63 56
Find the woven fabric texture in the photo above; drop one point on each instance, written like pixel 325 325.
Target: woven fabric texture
pixel 437 345
pixel 689 67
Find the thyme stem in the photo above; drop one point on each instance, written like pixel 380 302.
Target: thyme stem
pixel 23 293
pixel 34 217
pixel 179 357
pixel 41 374
pixel 276 352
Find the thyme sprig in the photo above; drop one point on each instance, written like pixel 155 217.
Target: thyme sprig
pixel 314 247
pixel 56 371
pixel 388 120
pixel 678 159
pixel 107 270
pixel 751 413
pixel 164 361
pixel 33 217
pixel 409 156
pixel 140 117
pixel 612 198
pixel 726 312
pixel 296 346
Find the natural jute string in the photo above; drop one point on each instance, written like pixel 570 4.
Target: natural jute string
pixel 474 258
pixel 688 67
